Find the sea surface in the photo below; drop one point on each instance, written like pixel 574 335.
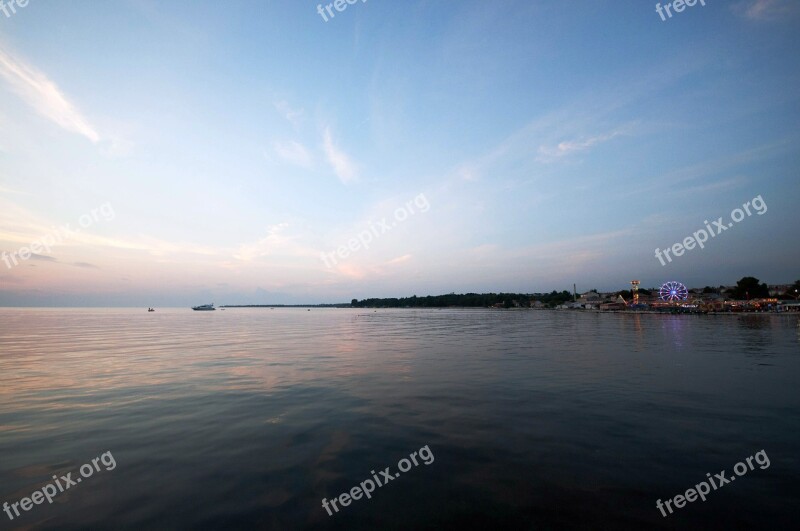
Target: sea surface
pixel 248 418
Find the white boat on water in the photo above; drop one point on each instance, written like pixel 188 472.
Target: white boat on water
pixel 204 308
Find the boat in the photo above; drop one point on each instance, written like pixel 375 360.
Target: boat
pixel 204 308
pixel 150 310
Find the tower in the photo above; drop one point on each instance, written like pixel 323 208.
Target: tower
pixel 635 291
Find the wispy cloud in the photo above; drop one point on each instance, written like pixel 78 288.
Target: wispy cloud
pixel 44 258
pixel 468 173
pixel 548 153
pixel 118 147
pixel 21 226
pixel 710 168
pixel 44 96
pixel 767 9
pixel 363 271
pixel 273 240
pixel 85 265
pixel 293 116
pixel 342 164
pixel 595 109
pixel 717 186
pixel 283 242
pixel 294 153
pixel 400 259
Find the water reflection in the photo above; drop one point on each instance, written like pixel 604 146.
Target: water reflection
pixel 247 418
pixel 756 322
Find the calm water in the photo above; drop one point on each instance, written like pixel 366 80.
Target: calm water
pixel 247 418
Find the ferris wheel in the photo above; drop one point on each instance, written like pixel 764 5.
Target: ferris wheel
pixel 673 291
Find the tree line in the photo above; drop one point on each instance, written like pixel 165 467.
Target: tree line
pixel 467 300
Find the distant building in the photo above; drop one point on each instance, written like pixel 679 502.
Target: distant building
pixel 589 300
pixel 776 290
pixel 618 304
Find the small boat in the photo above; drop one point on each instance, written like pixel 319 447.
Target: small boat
pixel 204 308
pixel 150 310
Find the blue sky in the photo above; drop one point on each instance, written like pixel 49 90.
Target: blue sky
pixel 552 142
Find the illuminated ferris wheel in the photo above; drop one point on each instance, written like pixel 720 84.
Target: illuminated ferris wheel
pixel 673 291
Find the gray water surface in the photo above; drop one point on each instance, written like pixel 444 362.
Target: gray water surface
pixel 248 418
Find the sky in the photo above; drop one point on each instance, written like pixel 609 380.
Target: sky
pixel 245 152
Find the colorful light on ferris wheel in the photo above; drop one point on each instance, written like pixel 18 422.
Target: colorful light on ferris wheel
pixel 673 291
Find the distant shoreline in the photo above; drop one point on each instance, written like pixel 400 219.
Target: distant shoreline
pixel 556 310
pixel 340 305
